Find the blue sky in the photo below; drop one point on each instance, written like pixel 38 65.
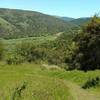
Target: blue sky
pixel 69 8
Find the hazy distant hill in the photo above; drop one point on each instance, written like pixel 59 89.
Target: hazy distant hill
pixel 21 23
pixel 80 21
pixel 67 18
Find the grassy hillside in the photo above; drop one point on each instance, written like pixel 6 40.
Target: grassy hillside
pixel 33 85
pixel 6 28
pixel 23 23
pixel 33 40
pixel 35 82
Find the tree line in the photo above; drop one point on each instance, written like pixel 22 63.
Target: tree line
pixel 77 50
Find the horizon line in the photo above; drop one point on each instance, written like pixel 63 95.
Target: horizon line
pixel 30 10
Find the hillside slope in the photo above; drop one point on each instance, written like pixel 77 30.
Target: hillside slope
pixel 80 21
pixel 30 23
pixel 67 18
pixel 34 82
pixel 6 29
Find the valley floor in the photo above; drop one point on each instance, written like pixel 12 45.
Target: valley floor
pixel 35 82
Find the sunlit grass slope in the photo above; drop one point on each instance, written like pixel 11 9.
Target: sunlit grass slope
pixel 27 82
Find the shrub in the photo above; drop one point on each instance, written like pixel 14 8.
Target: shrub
pixel 14 59
pixel 30 52
pixel 18 90
pixel 91 83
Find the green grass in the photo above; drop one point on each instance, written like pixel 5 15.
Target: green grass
pixel 38 86
pixel 6 25
pixel 42 84
pixel 36 40
pixel 41 39
pixel 11 43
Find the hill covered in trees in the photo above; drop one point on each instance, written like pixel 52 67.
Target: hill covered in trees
pixel 76 21
pixel 80 21
pixel 21 23
pixel 67 18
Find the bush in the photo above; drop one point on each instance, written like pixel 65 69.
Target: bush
pixel 14 59
pixel 30 52
pixel 18 91
pixel 91 83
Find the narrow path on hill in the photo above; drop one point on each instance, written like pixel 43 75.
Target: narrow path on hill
pixel 78 93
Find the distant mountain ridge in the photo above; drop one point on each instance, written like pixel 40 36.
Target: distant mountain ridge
pixel 21 23
pixel 67 18
pixel 80 21
pixel 76 21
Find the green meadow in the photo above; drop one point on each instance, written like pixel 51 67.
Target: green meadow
pixel 35 82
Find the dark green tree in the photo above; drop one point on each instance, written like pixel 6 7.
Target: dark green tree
pixel 87 56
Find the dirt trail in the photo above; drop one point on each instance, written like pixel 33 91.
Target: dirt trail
pixel 80 94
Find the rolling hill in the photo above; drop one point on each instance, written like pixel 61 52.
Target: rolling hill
pixel 77 22
pixel 21 23
pixel 80 21
pixel 67 18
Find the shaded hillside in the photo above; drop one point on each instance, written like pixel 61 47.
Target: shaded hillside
pixel 80 21
pixel 6 28
pixel 21 23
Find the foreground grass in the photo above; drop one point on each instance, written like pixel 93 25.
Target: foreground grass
pixel 37 86
pixel 33 82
